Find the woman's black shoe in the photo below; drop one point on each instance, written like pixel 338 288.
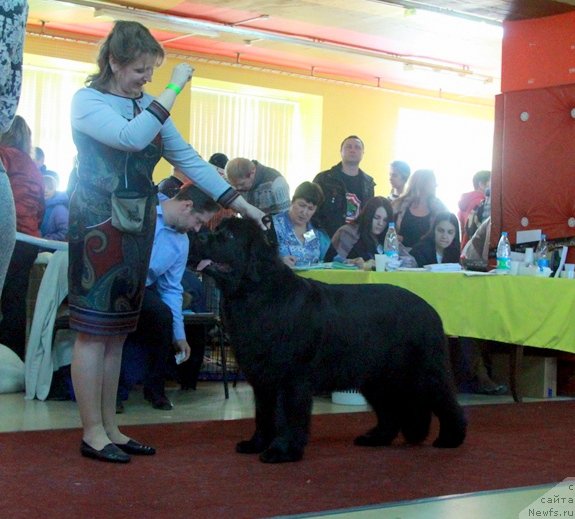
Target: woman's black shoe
pixel 109 453
pixel 134 447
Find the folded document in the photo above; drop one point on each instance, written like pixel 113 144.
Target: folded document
pixel 443 267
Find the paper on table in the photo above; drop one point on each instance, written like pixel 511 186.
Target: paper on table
pixel 479 273
pixel 443 267
pixel 343 266
pixel 315 266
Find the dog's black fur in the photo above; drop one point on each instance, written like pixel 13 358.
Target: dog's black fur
pixel 293 337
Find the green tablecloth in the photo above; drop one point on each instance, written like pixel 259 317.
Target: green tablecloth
pixel 529 311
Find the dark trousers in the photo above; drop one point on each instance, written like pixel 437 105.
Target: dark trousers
pixel 147 350
pixel 188 372
pixel 471 365
pixel 13 325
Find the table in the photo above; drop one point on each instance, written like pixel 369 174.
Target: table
pixel 516 310
pixel 524 310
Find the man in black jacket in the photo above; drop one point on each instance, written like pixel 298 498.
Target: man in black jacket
pixel 345 186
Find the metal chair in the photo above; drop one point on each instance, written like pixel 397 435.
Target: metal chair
pixel 211 320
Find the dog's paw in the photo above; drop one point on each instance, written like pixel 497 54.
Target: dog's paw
pixel 278 455
pixel 449 442
pixel 249 447
pixel 451 434
pixel 374 438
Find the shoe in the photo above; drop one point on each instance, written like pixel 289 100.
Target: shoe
pixel 134 447
pixel 158 400
pixel 497 389
pixel 109 453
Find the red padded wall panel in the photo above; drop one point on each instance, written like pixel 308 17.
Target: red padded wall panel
pixel 538 53
pixel 534 162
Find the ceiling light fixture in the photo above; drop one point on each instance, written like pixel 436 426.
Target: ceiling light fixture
pixel 192 26
pixel 159 21
pixel 411 6
pixel 253 19
pixel 463 72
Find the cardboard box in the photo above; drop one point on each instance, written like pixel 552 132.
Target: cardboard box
pixel 538 377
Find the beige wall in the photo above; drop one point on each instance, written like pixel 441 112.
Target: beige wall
pixel 368 112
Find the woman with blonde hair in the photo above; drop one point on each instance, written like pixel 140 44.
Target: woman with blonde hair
pixel 416 209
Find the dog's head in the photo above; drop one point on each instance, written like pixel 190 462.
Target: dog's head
pixel 241 253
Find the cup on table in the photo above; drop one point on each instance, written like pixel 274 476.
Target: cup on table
pixel 529 258
pixel 381 261
pixel 514 270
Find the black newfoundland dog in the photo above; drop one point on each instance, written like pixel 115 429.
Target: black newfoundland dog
pixel 293 337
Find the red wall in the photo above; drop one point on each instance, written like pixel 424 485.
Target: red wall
pixel 533 178
pixel 538 53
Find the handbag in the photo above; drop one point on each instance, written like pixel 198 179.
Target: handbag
pixel 129 210
pixel 130 201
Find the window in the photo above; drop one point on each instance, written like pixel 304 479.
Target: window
pixel 279 129
pixel 455 148
pixel 47 91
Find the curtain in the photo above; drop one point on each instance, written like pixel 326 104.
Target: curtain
pixel 251 126
pixel 45 105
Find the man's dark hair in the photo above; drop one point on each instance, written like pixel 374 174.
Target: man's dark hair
pixel 219 160
pixel 351 137
pixel 202 201
pixel 170 186
pixel 481 177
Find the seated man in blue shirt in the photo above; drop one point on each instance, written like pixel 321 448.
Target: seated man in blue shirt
pixel 161 325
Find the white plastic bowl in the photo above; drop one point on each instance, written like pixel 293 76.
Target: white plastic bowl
pixel 348 397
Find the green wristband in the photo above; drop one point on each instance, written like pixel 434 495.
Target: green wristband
pixel 174 87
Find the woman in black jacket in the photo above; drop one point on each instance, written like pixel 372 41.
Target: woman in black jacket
pixel 360 241
pixel 441 244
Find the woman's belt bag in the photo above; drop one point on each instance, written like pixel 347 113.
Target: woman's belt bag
pixel 129 210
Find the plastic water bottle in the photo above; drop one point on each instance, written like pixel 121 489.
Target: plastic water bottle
pixel 541 258
pixel 503 254
pixel 391 244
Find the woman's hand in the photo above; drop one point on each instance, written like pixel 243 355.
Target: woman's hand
pixel 358 262
pixel 290 261
pixel 248 211
pixel 181 74
pixel 369 265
